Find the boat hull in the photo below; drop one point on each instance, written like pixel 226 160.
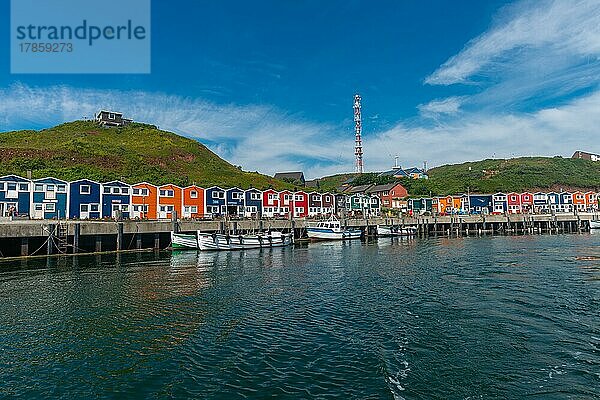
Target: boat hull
pixel 395 231
pixel 595 224
pixel 329 234
pixel 181 241
pixel 214 242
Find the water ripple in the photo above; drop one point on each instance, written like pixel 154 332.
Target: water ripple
pixel 471 318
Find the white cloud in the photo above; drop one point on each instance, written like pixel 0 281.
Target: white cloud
pixel 567 30
pixel 548 132
pixel 449 105
pixel 254 136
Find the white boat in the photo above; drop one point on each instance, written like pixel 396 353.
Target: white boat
pixel 184 241
pixel 331 230
pixel 395 230
pixel 216 241
pixel 595 224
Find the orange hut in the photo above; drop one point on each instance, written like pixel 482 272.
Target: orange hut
pixel 193 202
pixel 579 201
pixel 170 198
pixel 591 201
pixel 449 204
pixel 144 201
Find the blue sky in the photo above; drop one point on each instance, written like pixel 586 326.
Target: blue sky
pixel 269 85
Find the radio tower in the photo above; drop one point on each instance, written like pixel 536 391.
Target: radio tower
pixel 358 151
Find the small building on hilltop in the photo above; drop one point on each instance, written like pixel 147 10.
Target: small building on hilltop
pixel 586 156
pixel 111 119
pixel 295 178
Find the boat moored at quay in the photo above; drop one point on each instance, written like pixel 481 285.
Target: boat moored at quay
pixel 395 230
pixel 215 241
pixel 331 230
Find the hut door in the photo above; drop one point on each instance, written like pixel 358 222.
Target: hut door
pixel 84 211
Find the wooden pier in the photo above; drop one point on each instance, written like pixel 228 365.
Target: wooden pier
pixel 49 237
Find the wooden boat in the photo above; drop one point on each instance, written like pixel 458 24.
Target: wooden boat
pixel 183 241
pixel 331 230
pixel 395 230
pixel 595 224
pixel 215 241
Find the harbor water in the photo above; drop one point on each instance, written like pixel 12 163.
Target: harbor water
pixel 508 317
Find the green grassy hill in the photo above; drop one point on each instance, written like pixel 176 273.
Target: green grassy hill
pixel 136 153
pixel 330 183
pixel 498 175
pixel 516 174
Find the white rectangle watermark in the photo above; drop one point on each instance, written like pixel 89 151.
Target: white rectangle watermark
pixel 80 36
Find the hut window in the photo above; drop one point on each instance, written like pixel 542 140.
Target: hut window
pixel 194 194
pixel 144 192
pixel 194 209
pixel 94 207
pixel 163 192
pixel 50 207
pixel 39 187
pixel 116 190
pixel 23 187
pixel 62 188
pixel 125 190
pixel 136 191
pixel 12 186
pixel 2 186
pixel 106 190
pixel 85 189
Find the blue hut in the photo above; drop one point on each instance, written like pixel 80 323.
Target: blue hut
pixel 566 202
pixel 235 202
pixel 116 196
pixel 49 198
pixel 500 203
pixel 480 203
pixel 214 198
pixel 252 203
pixel 554 201
pixel 15 195
pixel 540 202
pixel 84 199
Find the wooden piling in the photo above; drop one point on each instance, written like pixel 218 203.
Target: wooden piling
pixel 25 246
pixel 119 236
pixel 76 236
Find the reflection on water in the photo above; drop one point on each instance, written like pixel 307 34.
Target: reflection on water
pixel 491 317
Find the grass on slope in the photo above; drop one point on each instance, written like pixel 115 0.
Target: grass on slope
pixel 136 153
pixel 330 183
pixel 491 176
pixel 516 174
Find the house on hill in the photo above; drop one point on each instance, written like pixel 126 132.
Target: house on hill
pixel 296 178
pixel 586 156
pixel 111 118
pixel 414 173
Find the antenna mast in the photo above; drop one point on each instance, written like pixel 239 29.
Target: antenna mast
pixel 358 150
